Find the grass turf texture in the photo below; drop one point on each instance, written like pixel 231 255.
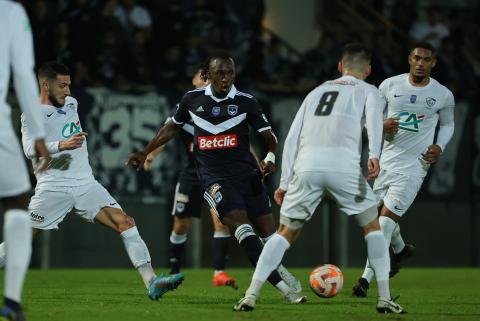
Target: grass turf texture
pixel 91 295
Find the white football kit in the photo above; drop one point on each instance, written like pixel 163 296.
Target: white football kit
pixel 68 183
pixel 418 110
pixel 16 56
pixel 322 150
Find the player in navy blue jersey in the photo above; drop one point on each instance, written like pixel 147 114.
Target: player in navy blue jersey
pixel 228 172
pixel 188 201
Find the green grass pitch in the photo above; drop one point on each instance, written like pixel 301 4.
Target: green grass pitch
pixel 118 295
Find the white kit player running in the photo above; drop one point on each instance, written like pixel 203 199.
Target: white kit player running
pixel 16 56
pixel 416 103
pixel 322 155
pixel 68 183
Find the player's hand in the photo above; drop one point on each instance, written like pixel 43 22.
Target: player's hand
pixel 267 168
pixel 147 166
pixel 433 154
pixel 42 156
pixel 74 142
pixel 279 195
pixel 373 168
pixel 390 126
pixel 136 159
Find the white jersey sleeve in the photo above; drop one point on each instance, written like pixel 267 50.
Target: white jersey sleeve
pixel 22 62
pixel 374 106
pixel 290 147
pixel 446 121
pixel 28 142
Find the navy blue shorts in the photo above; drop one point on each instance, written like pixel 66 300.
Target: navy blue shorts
pixel 188 199
pixel 249 195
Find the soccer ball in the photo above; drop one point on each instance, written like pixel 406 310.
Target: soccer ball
pixel 326 280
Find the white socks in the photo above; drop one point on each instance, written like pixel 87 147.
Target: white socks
pixel 178 238
pixel 379 260
pixel 138 254
pixel 17 232
pixel 388 226
pixel 270 258
pixel 397 242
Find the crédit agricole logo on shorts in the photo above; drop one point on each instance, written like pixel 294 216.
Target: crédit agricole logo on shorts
pixel 71 129
pixel 409 121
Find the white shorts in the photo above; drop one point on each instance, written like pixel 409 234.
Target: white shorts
pixel 306 190
pixel 49 206
pixel 14 178
pixel 396 191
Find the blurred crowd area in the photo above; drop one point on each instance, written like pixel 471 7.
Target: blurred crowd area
pixel 143 45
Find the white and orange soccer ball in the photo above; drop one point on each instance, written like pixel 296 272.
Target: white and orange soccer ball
pixel 326 280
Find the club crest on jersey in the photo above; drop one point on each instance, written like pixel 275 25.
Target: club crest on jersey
pixel 232 110
pixel 413 99
pixel 409 121
pixel 180 207
pixel 430 101
pixel 71 129
pixel 215 111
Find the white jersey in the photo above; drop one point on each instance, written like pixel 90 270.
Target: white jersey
pixel 16 55
pixel 69 167
pixel 327 130
pixel 418 110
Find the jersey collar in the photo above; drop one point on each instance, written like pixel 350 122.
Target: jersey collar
pixel 231 93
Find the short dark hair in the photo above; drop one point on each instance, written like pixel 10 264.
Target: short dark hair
pixel 423 45
pixel 203 68
pixel 219 54
pixel 357 50
pixel 51 69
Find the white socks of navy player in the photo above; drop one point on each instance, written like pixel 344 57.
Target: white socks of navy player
pixel 17 233
pixel 388 226
pixel 138 253
pixel 379 260
pixel 272 255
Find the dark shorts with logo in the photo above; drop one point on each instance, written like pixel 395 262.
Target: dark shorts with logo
pixel 188 199
pixel 248 194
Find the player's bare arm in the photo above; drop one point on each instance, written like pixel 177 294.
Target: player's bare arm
pixel 150 157
pixel 42 156
pixel 373 168
pixel 279 195
pixel 166 133
pixel 268 164
pixel 432 154
pixel 390 126
pixel 74 142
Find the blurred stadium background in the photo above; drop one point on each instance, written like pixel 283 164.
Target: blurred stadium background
pixel 132 60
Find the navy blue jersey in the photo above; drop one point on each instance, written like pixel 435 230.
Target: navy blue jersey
pixel 221 132
pixel 188 168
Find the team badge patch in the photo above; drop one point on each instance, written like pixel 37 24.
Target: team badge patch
pixel 431 101
pixel 413 99
pixel 232 110
pixel 180 207
pixel 215 111
pixel 218 197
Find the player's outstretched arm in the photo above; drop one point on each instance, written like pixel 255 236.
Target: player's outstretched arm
pixel 150 157
pixel 268 164
pixel 166 133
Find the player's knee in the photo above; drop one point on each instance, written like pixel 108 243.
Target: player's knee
pixel 291 224
pixel 368 220
pixel 125 223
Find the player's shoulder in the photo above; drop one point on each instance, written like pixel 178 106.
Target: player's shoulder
pixel 242 94
pixel 71 102
pixel 12 10
pixel 443 91
pixel 438 86
pixel 193 94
